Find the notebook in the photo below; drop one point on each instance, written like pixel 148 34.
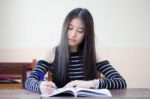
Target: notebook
pixel 77 92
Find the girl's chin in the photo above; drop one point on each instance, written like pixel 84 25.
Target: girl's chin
pixel 73 45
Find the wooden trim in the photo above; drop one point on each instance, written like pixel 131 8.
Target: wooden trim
pixel 29 65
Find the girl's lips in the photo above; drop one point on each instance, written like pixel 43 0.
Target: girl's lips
pixel 72 40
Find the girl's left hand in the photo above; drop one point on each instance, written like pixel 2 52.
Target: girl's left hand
pixel 81 84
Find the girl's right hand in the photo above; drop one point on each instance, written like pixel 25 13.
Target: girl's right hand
pixel 47 87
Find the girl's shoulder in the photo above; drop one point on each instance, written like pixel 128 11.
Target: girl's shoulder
pixel 100 55
pixel 49 55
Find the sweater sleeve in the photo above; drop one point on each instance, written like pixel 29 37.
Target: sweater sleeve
pixel 33 81
pixel 113 79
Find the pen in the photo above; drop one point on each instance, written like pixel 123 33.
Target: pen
pixel 43 78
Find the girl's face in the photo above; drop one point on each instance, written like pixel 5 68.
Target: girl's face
pixel 75 32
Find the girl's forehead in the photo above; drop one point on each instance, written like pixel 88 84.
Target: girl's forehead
pixel 76 22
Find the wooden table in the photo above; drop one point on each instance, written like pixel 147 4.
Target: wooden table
pixel 16 70
pixel 134 93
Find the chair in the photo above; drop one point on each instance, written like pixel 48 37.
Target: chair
pixel 12 72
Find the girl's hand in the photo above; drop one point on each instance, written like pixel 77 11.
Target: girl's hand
pixel 81 84
pixel 47 87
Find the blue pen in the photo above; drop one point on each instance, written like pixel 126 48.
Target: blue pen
pixel 42 77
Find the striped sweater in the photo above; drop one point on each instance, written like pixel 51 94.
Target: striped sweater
pixel 113 79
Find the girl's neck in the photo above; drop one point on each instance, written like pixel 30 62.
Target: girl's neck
pixel 73 49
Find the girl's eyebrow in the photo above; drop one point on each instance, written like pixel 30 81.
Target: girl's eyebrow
pixel 77 27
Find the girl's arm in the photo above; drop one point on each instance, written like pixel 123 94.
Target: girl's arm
pixel 113 79
pixel 33 81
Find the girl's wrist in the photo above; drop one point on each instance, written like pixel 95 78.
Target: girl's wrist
pixel 96 83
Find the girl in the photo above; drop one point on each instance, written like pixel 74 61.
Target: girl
pixel 74 62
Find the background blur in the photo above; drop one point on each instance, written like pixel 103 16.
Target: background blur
pixel 122 27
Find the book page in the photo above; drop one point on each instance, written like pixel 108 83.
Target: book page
pixel 59 91
pixel 92 92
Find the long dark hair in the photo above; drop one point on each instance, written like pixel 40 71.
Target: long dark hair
pixel 60 74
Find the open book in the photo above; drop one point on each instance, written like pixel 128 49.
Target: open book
pixel 80 92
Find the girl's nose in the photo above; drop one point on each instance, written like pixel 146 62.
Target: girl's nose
pixel 73 33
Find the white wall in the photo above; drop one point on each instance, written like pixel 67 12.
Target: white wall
pixel 122 27
pixel 118 23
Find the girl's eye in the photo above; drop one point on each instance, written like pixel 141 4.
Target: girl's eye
pixel 80 30
pixel 70 27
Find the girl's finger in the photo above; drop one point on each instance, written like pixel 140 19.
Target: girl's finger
pixel 71 84
pixel 48 83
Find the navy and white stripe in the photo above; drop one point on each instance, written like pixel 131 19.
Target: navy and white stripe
pixel 113 79
pixel 33 81
pixel 75 67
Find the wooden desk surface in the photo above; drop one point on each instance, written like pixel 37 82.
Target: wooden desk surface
pixel 134 93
